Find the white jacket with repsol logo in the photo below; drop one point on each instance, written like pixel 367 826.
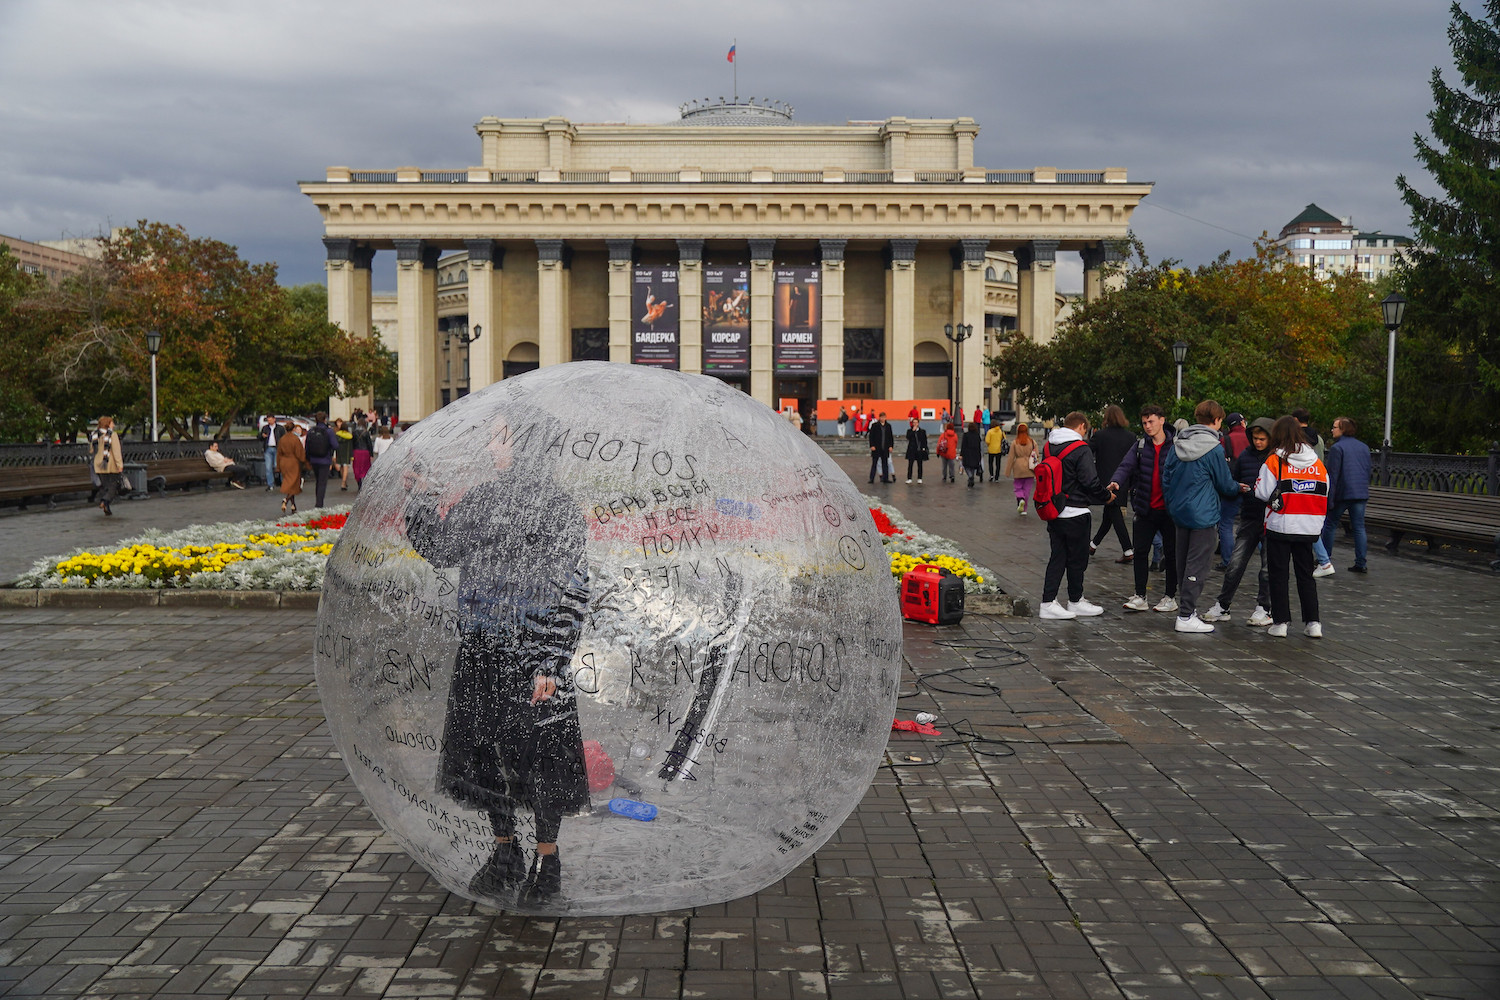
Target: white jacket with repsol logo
pixel 1304 491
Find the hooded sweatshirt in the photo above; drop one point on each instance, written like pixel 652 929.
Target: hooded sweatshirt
pixel 1304 486
pixel 1195 474
pixel 1080 480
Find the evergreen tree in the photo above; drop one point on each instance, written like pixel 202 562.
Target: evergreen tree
pixel 1453 280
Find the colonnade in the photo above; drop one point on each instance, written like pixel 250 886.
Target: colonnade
pixel 505 324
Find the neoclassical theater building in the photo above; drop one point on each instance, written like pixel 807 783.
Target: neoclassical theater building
pixel 794 261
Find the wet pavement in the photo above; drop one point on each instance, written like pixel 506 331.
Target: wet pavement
pixel 1114 810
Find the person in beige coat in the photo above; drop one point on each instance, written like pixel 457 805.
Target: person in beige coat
pixel 1020 467
pixel 291 462
pixel 109 462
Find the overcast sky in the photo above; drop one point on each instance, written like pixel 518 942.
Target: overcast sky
pixel 207 115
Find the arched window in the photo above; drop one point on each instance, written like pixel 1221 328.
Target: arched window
pixel 989 274
pixel 1007 276
pixel 463 276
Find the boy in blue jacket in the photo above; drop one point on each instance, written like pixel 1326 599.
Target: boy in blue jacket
pixel 1195 475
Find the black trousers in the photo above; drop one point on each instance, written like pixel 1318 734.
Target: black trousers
pixel 1113 517
pixel 1069 537
pixel 879 465
pixel 320 477
pixel 237 473
pixel 548 822
pixel 1147 523
pixel 1298 551
pixel 911 462
pixel 1247 538
pixel 995 465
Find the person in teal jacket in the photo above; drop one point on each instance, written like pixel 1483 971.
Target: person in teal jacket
pixel 1195 475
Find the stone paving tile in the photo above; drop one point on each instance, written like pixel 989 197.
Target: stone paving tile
pixel 1156 816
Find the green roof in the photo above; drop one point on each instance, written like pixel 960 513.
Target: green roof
pixel 1312 213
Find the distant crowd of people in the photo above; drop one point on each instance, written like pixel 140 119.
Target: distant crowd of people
pixel 323 450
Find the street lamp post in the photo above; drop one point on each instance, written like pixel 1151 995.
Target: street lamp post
pixel 1393 306
pixel 1179 355
pixel 461 331
pixel 958 334
pixel 153 344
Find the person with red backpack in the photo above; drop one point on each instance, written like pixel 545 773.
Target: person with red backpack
pixel 1066 483
pixel 947 450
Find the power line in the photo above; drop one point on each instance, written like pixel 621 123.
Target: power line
pixel 1201 222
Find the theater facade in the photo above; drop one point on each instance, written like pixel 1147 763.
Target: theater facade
pixel 793 261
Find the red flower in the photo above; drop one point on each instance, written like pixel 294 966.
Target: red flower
pixel 318 523
pixel 883 524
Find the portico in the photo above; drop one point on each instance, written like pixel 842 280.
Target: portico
pixel 544 238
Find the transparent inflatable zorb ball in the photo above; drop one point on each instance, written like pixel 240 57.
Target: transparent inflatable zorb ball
pixel 609 639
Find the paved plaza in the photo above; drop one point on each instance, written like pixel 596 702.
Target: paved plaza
pixel 1114 810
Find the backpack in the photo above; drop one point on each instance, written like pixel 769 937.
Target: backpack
pixel 1047 495
pixel 317 444
pixel 947 446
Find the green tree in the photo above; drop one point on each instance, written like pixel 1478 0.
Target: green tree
pixel 22 415
pixel 1449 358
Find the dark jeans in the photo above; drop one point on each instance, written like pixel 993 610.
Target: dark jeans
pixel 1069 537
pixel 1356 509
pixel 1247 535
pixel 995 465
pixel 1195 550
pixel 1147 524
pixel 320 477
pixel 237 473
pixel 879 465
pixel 1297 550
pixel 1229 514
pixel 1113 517
pixel 911 462
pixel 548 822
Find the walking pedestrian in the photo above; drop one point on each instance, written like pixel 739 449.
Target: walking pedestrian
pixel 291 462
pixel 1111 443
pixel 882 440
pixel 995 447
pixel 843 421
pixel 382 442
pixel 1195 476
pixel 1022 466
pixel 361 451
pixel 1139 477
pixel 1249 531
pixel 916 447
pixel 269 432
pixel 108 462
pixel 344 454
pixel 321 447
pixel 1294 484
pixel 947 449
pixel 970 450
pixel 1348 461
pixel 1068 533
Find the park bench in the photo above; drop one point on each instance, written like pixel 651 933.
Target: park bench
pixel 164 473
pixel 47 481
pixel 1435 517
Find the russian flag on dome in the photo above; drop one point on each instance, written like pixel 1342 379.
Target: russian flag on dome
pixel 731 53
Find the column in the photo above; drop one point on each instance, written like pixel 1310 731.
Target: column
pixel 621 262
pixel 690 305
pixel 554 333
pixel 901 320
pixel 968 308
pixel 831 368
pixel 349 308
pixel 1102 269
pixel 486 258
pixel 762 284
pixel 1036 289
pixel 416 312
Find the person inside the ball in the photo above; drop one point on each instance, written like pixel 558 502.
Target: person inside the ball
pixel 511 736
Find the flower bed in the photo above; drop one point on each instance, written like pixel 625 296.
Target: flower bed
pixel 244 555
pixel 908 545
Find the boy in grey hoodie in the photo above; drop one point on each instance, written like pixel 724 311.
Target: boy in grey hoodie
pixel 1195 475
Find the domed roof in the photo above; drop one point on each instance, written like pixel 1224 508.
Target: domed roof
pixel 735 111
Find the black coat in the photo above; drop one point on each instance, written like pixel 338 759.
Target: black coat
pixel 916 444
pixel 522 593
pixel 882 439
pixel 1111 445
pixel 971 449
pixel 1080 480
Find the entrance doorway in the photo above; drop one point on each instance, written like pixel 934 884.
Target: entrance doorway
pixel 804 393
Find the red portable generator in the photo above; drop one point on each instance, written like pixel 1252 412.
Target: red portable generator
pixel 933 595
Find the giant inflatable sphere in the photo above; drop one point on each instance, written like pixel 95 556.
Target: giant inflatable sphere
pixel 608 639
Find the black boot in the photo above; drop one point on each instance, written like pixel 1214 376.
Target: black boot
pixel 503 871
pixel 545 879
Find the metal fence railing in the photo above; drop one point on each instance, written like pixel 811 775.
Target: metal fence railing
pixel 1477 475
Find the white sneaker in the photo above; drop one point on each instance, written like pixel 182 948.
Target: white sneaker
pixel 1093 548
pixel 1054 610
pixel 1324 570
pixel 919 482
pixel 1279 631
pixel 1166 604
pixel 1313 630
pixel 1193 624
pixel 908 482
pixel 1137 603
pixel 1084 609
pixel 1216 614
pixel 1259 617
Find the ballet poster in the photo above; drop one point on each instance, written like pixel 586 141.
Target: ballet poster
pixel 797 321
pixel 654 317
pixel 726 320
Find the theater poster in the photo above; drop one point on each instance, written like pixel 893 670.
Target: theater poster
pixel 654 317
pixel 796 321
pixel 726 320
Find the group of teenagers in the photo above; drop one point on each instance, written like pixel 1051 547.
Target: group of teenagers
pixel 1268 479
